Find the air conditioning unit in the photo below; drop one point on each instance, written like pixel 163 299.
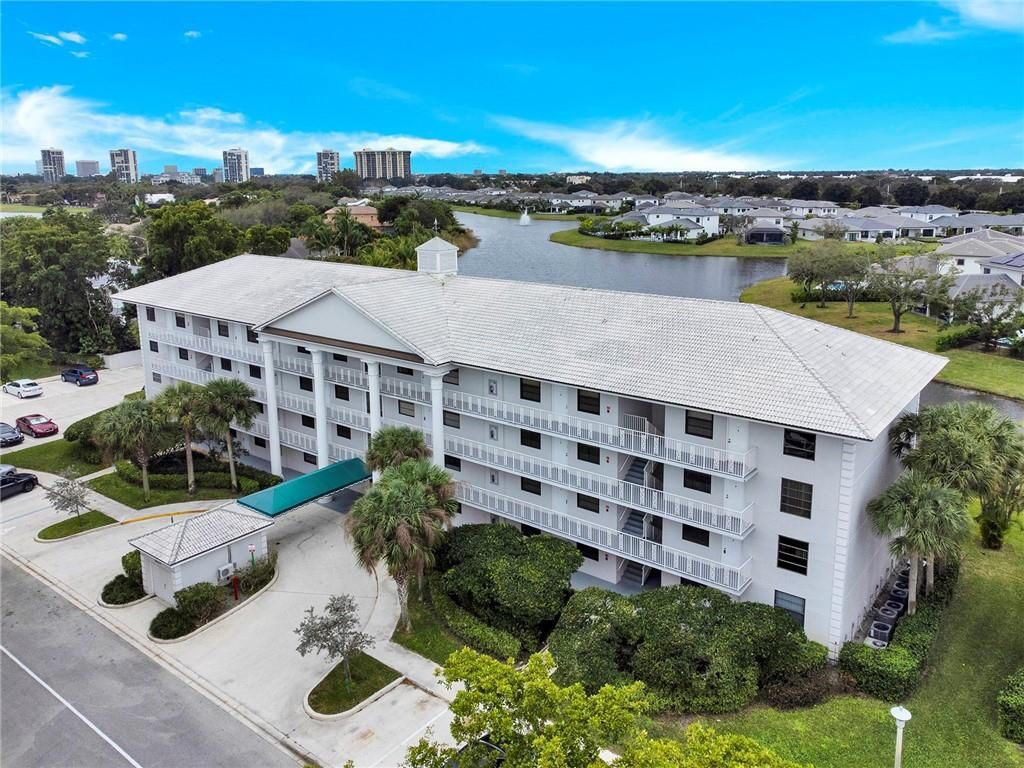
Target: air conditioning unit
pixel 872 642
pixel 880 630
pixel 888 614
pixel 899 593
pixel 225 571
pixel 896 605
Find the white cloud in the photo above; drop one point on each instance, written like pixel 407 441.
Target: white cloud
pixel 638 146
pixel 374 89
pixel 72 37
pixel 119 36
pixel 193 33
pixel 993 14
pixel 80 54
pixel 47 38
pixel 54 117
pixel 923 32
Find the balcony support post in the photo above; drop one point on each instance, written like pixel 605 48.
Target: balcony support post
pixel 373 378
pixel 437 419
pixel 320 409
pixel 274 438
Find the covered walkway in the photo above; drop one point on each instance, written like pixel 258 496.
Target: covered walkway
pixel 306 488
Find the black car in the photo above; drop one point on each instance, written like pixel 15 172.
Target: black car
pixel 12 481
pixel 9 435
pixel 80 375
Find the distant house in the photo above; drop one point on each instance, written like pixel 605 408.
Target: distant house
pixel 970 222
pixel 810 207
pixel 1011 264
pixel 927 213
pixel 969 252
pixel 364 214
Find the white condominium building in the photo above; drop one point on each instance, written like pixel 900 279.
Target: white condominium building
pixel 328 163
pixel 236 165
pixel 52 164
pixel 671 439
pixel 383 163
pixel 125 165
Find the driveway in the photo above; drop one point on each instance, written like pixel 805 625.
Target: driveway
pixel 65 403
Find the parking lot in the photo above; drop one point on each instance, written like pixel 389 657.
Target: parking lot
pixel 65 403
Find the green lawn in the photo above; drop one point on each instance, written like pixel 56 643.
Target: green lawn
pixel 954 719
pixel 429 636
pixel 76 524
pixel 117 489
pixel 36 370
pixel 54 457
pixel 515 214
pixel 333 694
pixel 19 208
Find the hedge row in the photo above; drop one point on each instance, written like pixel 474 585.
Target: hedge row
pixel 132 474
pixel 893 673
pixel 957 336
pixel 469 628
pixel 173 463
pixel 1010 706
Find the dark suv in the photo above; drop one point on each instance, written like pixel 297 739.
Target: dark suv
pixel 80 375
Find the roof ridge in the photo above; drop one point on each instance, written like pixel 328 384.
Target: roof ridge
pixel 179 537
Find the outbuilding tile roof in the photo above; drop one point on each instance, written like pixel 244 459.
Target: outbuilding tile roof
pixel 197 534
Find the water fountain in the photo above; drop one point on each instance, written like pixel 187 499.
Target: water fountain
pixel 524 220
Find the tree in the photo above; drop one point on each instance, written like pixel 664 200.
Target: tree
pixel 135 430
pixel 910 193
pixel 68 495
pixel 849 268
pixel 184 236
pixel 227 402
pixel 349 234
pixel 184 404
pixel 391 446
pixel 804 190
pixel 813 268
pixel 905 282
pixel 21 346
pixel 923 518
pixel 869 195
pixel 269 241
pixel 995 311
pixel 335 633
pixel 837 192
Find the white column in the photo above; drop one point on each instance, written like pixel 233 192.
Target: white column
pixel 373 378
pixel 437 418
pixel 320 409
pixel 275 433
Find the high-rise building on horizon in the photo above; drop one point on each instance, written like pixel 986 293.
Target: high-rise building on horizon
pixel 328 163
pixel 236 165
pixel 53 164
pixel 200 171
pixel 86 168
pixel 39 167
pixel 218 175
pixel 125 165
pixel 387 163
pixel 170 169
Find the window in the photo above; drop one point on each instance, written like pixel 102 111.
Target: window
pixel 259 442
pixel 157 378
pixel 799 444
pixel 696 481
pixel 590 553
pixel 588 453
pixel 796 498
pixel 986 271
pixel 302 350
pixel 530 485
pixel 588 402
pixel 250 336
pixel 151 314
pixel 225 364
pixel 406 408
pixel 529 439
pixel 793 555
pixel 340 358
pixel 182 354
pixel 259 405
pixel 309 458
pixel 492 387
pixel 493 479
pixel 255 372
pixel 305 383
pixel 405 371
pixel 959 262
pixel 343 431
pixel 529 390
pixel 696 535
pixel 154 347
pixel 179 319
pixel 451 419
pixel 453 463
pixel 222 329
pixel 700 424
pixel 452 377
pixel 492 432
pixel 589 503
pixel 340 392
pixel 233 432
pixel 792 605
pixel 308 421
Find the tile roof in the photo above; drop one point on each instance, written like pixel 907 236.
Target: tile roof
pixel 985 284
pixel 197 534
pixel 726 357
pixel 1010 260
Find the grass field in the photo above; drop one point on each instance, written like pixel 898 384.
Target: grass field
pixel 76 524
pixel 969 368
pixel 954 719
pixel 429 636
pixel 39 370
pixel 19 208
pixel 115 488
pixel 333 694
pixel 54 457
pixel 515 214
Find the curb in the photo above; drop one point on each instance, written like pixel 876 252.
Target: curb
pixel 248 601
pixel 352 710
pixel 76 535
pixel 99 601
pixel 154 516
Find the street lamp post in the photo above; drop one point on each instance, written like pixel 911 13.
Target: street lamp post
pixel 902 716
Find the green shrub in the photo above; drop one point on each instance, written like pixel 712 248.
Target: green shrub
pixel 131 563
pixel 593 638
pixel 888 673
pixel 256 575
pixel 173 463
pixel 200 602
pixel 1010 706
pixel 706 748
pixel 804 691
pixel 122 589
pixel 469 628
pixel 957 336
pixel 132 474
pixel 169 624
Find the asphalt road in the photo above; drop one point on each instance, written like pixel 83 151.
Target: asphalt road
pixel 130 710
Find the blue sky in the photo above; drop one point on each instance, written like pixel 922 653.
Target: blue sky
pixel 532 87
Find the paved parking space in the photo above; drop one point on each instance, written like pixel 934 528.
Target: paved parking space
pixel 65 403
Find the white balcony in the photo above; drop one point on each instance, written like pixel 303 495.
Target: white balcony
pixel 335 413
pixel 427 436
pixel 732 579
pixel 733 523
pixel 338 374
pixel 301 441
pixel 404 389
pixel 733 464
pixel 298 440
pixel 210 345
pixel 201 377
pixel 337 452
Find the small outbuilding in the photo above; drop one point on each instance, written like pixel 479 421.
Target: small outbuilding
pixel 205 547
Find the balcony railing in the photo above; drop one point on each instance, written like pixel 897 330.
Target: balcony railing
pixel 736 464
pixel 302 441
pixel 201 377
pixel 338 374
pixel 407 390
pixel 734 579
pixel 719 519
pixel 335 413
pixel 210 345
pixel 299 440
pixel 342 453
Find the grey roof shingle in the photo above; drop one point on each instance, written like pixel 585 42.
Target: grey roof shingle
pixel 197 534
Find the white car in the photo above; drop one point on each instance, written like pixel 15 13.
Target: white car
pixel 23 388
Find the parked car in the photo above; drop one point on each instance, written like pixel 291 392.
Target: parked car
pixel 9 435
pixel 12 481
pixel 37 425
pixel 80 375
pixel 23 388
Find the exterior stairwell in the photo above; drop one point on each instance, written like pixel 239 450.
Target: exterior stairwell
pixel 635 473
pixel 634 523
pixel 633 573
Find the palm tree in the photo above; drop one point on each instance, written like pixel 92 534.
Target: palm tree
pixel 228 401
pixel 391 446
pixel 135 430
pixel 320 237
pixel 184 405
pixel 399 522
pixel 436 479
pixel 923 519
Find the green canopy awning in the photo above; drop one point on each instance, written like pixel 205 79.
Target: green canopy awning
pixel 306 488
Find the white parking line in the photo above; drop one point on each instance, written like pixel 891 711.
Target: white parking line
pixel 74 711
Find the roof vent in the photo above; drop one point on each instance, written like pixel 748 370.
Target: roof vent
pixel 437 257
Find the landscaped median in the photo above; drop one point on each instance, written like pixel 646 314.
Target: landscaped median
pixel 335 697
pixel 73 526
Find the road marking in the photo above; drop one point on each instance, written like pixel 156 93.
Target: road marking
pixel 74 711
